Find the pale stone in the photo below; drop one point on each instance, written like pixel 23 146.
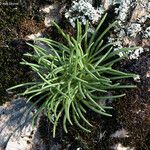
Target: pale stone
pixel 33 36
pixel 148 74
pixel 138 12
pixel 120 134
pixel 119 146
pixel 47 9
pixel 16 132
pixel 53 12
pixel 106 4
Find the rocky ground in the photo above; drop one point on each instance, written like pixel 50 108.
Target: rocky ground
pixel 16 130
pixel 128 129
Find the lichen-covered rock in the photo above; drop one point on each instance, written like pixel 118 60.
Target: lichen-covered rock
pixel 83 10
pixel 132 16
pixel 16 131
pixel 133 27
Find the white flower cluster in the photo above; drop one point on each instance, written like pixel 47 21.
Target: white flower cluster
pixel 83 10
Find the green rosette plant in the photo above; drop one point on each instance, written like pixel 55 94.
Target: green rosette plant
pixel 74 77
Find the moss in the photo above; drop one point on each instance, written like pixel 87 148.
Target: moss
pixel 12 48
pixel 16 22
pixel 12 72
pixel 134 109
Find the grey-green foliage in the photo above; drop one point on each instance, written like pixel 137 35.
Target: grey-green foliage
pixel 72 75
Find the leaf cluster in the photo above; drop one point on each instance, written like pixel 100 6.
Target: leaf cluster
pixel 72 75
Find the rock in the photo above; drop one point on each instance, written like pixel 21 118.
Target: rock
pixel 120 134
pixel 33 36
pixel 119 146
pixel 137 78
pixel 16 132
pixel 53 12
pixel 133 25
pixel 138 12
pixel 106 4
pixel 47 9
